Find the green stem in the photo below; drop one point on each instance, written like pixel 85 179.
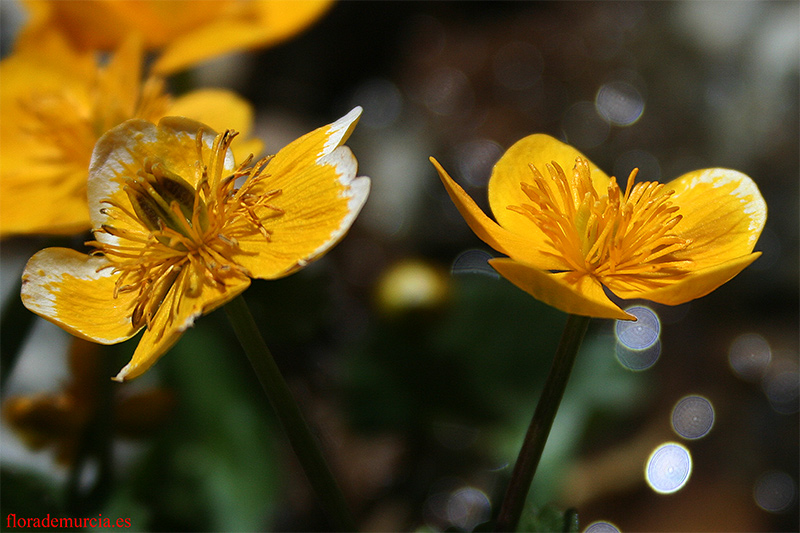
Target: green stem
pixel 539 430
pixel 304 443
pixel 96 439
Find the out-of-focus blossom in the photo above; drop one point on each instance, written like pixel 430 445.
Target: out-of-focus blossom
pixel 56 103
pixel 412 285
pixel 184 32
pixel 180 229
pixel 60 420
pixel 568 233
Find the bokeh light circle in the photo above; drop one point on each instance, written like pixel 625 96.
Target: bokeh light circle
pixel 749 356
pixel 638 360
pixel 775 491
pixel 601 527
pixel 693 417
pixel 782 388
pixel 468 507
pixel 641 333
pixel 619 103
pixel 668 468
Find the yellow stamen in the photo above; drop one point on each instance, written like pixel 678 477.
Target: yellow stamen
pixel 188 233
pixel 610 234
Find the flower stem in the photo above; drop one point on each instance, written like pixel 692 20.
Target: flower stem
pixel 303 441
pixel 539 429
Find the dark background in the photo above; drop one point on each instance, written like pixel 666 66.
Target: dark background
pixel 422 407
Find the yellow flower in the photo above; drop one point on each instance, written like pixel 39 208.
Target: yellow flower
pixel 185 32
pixel 55 104
pixel 60 420
pixel 569 229
pixel 180 229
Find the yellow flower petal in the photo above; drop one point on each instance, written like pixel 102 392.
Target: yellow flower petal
pixel 181 229
pixel 56 103
pixel 571 292
pixel 66 288
pixel 191 295
pixel 669 244
pixel 267 22
pixel 186 32
pixel 221 110
pixel 23 211
pixel 723 215
pixel 527 248
pixel 690 287
pixel 123 150
pixel 43 171
pixel 119 86
pixel 513 168
pixel 319 199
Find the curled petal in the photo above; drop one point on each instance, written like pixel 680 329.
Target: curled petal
pixel 525 248
pixel 75 292
pixel 571 292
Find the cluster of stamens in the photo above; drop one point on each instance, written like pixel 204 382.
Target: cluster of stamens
pixel 177 227
pixel 613 234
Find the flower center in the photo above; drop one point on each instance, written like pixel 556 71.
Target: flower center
pixel 613 234
pixel 174 230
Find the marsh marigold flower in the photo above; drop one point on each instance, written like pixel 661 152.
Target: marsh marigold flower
pixel 569 230
pixel 56 103
pixel 60 420
pixel 184 32
pixel 180 229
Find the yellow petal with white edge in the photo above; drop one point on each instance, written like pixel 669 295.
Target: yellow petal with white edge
pixel 513 169
pixel 73 290
pixel 320 197
pixel 723 215
pixel 571 292
pixel 191 296
pixel 690 286
pixel 531 249
pixel 121 152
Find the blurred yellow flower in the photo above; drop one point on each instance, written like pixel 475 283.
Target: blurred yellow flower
pixel 184 32
pixel 56 103
pixel 60 420
pixel 180 229
pixel 569 229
